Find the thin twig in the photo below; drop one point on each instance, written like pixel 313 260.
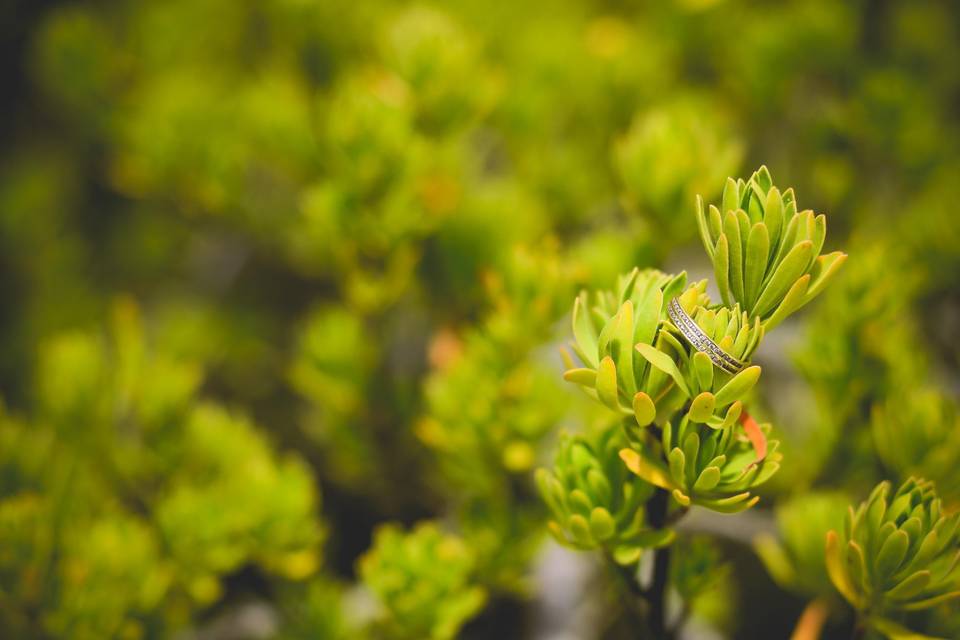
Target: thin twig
pixel 631 593
pixel 657 508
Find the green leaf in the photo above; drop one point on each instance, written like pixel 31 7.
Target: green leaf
pixel 762 178
pixel 767 470
pixel 877 506
pixel 627 554
pixel 789 238
pixel 579 502
pixel 796 297
pixel 704 228
pixel 912 527
pixel 927 549
pixel 721 269
pixel 579 529
pixel 715 221
pixel 738 386
pixel 858 564
pixel 586 377
pixel 691 447
pixel 819 233
pixel 786 273
pixel 823 270
pixel 599 487
pixel 701 408
pixel 626 286
pixel 607 383
pixel 758 253
pixel 602 525
pixel 733 504
pixel 655 538
pixel 664 363
pixel 910 586
pixel 681 498
pixel 932 602
pixel 584 331
pixel 836 569
pixel 731 196
pixel 623 338
pixel 675 286
pixel 551 490
pixel 773 216
pixel 643 409
pixel 648 317
pixel 895 631
pixel 702 369
pixel 731 229
pixel 743 220
pixel 892 553
pixel 678 464
pixel 708 480
pixel 643 468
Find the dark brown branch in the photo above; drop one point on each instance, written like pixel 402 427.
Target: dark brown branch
pixel 657 518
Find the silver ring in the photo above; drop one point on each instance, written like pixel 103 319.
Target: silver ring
pixel 699 340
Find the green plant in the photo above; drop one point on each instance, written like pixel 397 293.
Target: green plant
pixel 423 579
pixel 352 229
pixel 689 436
pixel 896 553
pixel 594 502
pixel 187 490
pixel 766 254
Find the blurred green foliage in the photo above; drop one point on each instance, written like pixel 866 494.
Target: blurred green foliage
pixel 129 499
pixel 256 253
pixel 423 579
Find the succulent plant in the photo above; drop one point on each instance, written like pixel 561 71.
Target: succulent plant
pixel 714 467
pixel 766 255
pixel 595 503
pixel 618 339
pixel 638 363
pixel 708 451
pixel 896 552
pixel 423 579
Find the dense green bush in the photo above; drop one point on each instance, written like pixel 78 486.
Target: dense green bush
pixel 291 290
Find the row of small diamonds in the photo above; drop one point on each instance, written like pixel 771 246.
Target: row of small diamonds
pixel 704 342
pixel 700 341
pixel 692 332
pixel 732 365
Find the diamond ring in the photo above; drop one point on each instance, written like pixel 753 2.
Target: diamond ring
pixel 699 340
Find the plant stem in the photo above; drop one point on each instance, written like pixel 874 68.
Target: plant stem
pixel 632 594
pixel 657 592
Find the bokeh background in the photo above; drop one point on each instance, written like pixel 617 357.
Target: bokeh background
pixel 274 274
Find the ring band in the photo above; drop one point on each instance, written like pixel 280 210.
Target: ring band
pixel 699 340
